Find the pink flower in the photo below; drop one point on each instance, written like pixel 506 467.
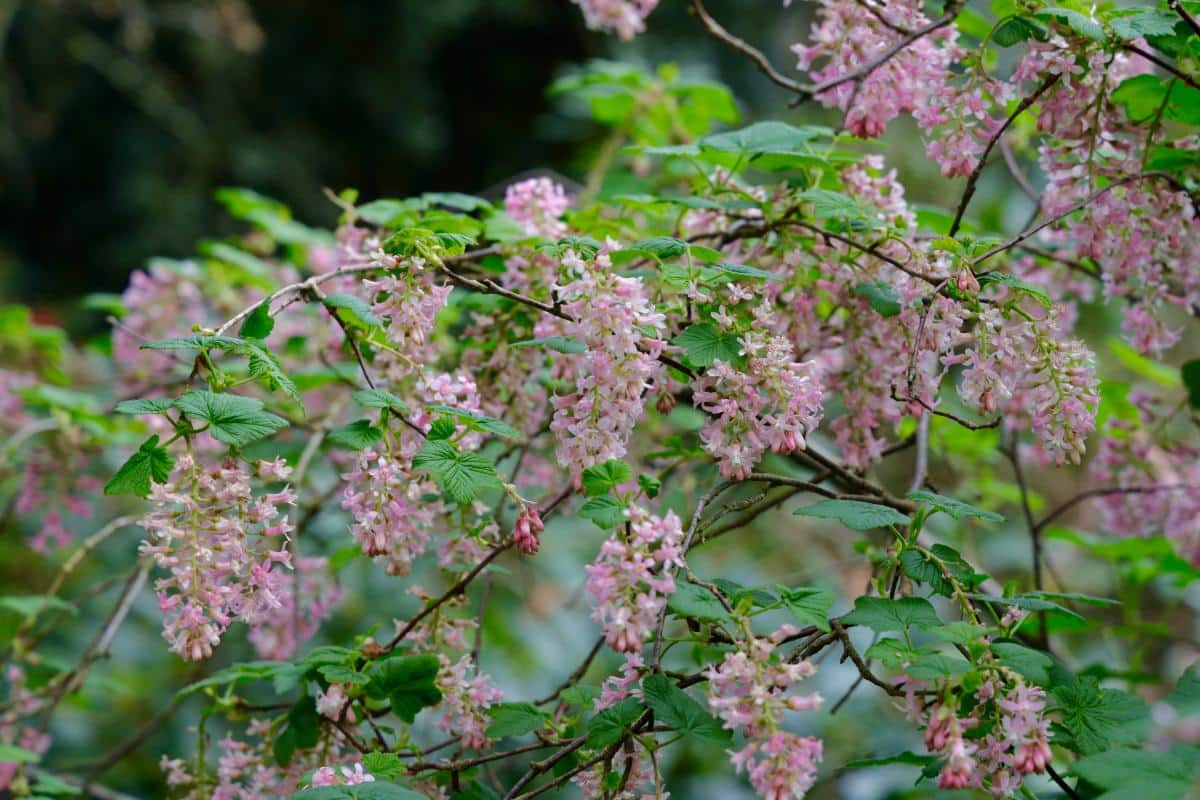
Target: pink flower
pixel 537 205
pixel 627 581
pixel 626 18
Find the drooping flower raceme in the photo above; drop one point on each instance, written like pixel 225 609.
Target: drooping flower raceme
pixel 614 318
pixel 391 521
pixel 750 691
pixel 537 205
pixel 224 547
pixel 626 18
pixel 627 581
pixel 465 701
pixel 770 404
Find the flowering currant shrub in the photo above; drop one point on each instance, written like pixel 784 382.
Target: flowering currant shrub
pixel 353 474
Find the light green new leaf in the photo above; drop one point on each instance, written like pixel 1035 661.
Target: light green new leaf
pixel 856 514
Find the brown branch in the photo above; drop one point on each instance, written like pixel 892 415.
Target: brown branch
pixel 1030 232
pixel 973 178
pixel 1090 493
pixel 1177 7
pixel 718 32
pixel 1164 65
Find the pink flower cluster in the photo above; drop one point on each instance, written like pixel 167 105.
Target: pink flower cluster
pixel 409 304
pixel 326 776
pixel 162 302
pixel 1016 746
pixel 537 205
pixel 1163 480
pixel 851 34
pixel 750 691
pixel 465 701
pixel 770 404
pixel 306 599
pixel 611 315
pixel 56 480
pixel 247 770
pixel 21 704
pixel 626 18
pixel 527 532
pixel 628 580
pixel 391 520
pixel 221 544
pixel 1029 369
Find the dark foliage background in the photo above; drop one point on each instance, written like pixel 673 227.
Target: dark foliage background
pixel 120 117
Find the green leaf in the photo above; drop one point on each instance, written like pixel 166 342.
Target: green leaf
pixel 1015 30
pixel 337 673
pixel 514 719
pixel 650 485
pixel 383 765
pixel 1033 665
pixel 358 435
pixel 955 508
pixel 146 405
pixel 259 324
pixel 197 342
pixel 1026 602
pixel 442 428
pixel 239 673
pixel 479 423
pixel 11 754
pixel 1082 24
pixel 1186 697
pixel 661 248
pixel 603 478
pixel 34 604
pixel 1142 96
pixel 356 308
pixel 1135 774
pixel 408 683
pixel 907 757
pixel 933 568
pixel 855 514
pixel 1013 282
pixel 881 296
pixel 457 200
pixel 882 614
pixel 673 707
pixel 610 725
pixel 232 419
pixel 933 666
pixel 742 271
pixel 606 512
pixel 705 344
pixel 1097 718
pixel 305 722
pixel 690 600
pixel 462 476
pixel 809 606
pixel 150 463
pixel 561 344
pixel 960 632
pixel 379 398
pixel 385 211
pixel 1144 22
pixel 1190 373
pixel 895 653
pixel 47 784
pixel 372 790
pixel 764 137
pixel 263 364
pixel 827 204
